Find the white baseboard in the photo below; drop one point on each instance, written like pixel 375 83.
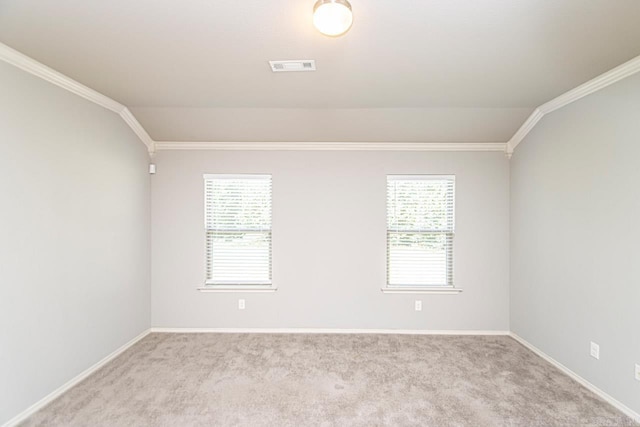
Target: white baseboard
pixel 325 331
pixel 56 393
pixel 69 384
pixel 612 401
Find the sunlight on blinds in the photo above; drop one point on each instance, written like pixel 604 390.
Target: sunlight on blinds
pixel 420 230
pixel 238 229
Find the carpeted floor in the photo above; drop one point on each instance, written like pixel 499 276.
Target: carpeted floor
pixel 328 380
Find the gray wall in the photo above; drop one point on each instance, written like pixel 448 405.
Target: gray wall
pixel 575 238
pixel 329 242
pixel 74 237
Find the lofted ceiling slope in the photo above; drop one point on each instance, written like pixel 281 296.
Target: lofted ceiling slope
pixel 408 70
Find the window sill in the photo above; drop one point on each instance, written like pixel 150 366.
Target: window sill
pixel 418 290
pixel 237 288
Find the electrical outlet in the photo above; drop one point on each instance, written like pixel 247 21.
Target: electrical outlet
pixel 418 305
pixel 241 304
pixel 595 350
pixel 638 372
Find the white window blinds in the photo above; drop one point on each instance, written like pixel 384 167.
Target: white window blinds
pixel 420 230
pixel 238 228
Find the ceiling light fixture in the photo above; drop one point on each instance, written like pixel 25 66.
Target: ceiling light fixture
pixel 332 17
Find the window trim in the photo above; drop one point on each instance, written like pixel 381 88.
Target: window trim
pixel 421 289
pixel 238 286
pixel 440 290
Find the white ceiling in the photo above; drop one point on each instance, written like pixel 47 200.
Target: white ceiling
pixel 408 70
pixel 344 125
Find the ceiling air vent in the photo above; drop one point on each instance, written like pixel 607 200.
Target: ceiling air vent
pixel 293 65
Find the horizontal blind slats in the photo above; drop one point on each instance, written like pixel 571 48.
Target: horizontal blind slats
pixel 420 230
pixel 238 227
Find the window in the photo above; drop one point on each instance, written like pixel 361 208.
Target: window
pixel 238 229
pixel 420 230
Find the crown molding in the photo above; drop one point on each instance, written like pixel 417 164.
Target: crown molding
pixel 610 77
pixel 137 128
pixel 38 69
pixel 25 63
pixel 526 127
pixel 333 146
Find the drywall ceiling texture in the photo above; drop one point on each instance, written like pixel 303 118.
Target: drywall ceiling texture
pixel 329 242
pixel 575 206
pixel 344 125
pixel 74 237
pixel 207 62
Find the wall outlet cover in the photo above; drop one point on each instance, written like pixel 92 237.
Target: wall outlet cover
pixel 418 305
pixel 595 350
pixel 638 371
pixel 241 304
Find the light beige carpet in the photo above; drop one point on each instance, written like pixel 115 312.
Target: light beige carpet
pixel 328 380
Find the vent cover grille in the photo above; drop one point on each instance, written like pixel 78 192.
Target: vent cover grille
pixel 293 65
